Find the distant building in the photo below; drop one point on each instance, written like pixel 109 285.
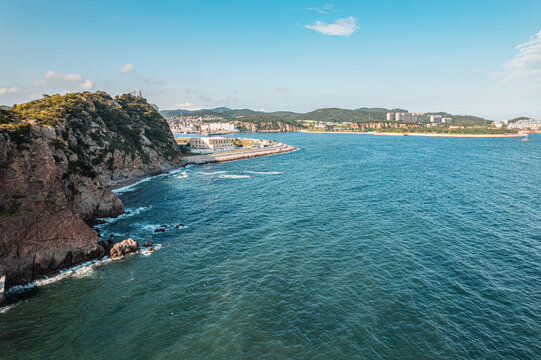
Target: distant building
pixel 438 119
pixel 390 116
pixel 529 124
pixel 403 116
pixel 219 127
pixel 209 144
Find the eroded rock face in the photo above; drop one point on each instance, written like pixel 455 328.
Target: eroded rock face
pixel 56 180
pixel 124 247
pixel 39 233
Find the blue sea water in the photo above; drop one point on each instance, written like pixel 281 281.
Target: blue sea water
pixel 352 247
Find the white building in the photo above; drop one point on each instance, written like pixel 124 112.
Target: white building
pixel 404 116
pixel 390 116
pixel 438 119
pixel 529 124
pixel 210 144
pixel 219 127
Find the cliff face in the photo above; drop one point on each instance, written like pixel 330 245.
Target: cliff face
pixel 58 157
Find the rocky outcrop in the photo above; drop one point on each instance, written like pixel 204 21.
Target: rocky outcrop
pixel 124 247
pixel 39 232
pixel 58 158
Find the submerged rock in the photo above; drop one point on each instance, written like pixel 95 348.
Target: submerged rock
pixel 163 226
pixel 123 248
pixel 147 244
pixel 159 230
pixel 179 226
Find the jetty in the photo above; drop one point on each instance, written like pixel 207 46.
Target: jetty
pixel 239 154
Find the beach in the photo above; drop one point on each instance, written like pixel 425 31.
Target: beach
pixel 418 134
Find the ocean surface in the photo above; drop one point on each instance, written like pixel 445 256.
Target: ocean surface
pixel 352 247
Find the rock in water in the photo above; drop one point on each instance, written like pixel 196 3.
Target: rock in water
pixel 159 230
pixel 147 244
pixel 123 248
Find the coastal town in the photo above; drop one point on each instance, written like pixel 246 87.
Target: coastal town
pixel 400 122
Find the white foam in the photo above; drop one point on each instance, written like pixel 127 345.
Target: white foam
pixel 212 173
pixel 80 270
pixel 265 172
pixel 132 187
pixel 145 252
pixel 125 215
pixel 230 176
pixel 182 175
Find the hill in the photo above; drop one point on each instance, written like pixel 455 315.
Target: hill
pixel 58 157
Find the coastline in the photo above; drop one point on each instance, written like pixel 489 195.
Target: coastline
pixel 417 134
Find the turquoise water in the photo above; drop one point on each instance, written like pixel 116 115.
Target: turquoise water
pixel 353 247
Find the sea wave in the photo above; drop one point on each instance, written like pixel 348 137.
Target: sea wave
pixel 80 270
pixel 265 172
pixel 132 187
pixel 127 213
pixel 211 173
pixel 232 176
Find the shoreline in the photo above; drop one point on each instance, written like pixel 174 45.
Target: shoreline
pixel 417 134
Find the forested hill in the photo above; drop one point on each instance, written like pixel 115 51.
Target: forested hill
pixel 337 115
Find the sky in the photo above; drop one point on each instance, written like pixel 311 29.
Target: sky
pixel 476 57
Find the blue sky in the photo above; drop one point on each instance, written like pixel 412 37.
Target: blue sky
pixel 465 57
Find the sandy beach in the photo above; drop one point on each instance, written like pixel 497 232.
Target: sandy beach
pixel 418 134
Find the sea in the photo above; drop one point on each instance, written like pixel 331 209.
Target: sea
pixel 351 247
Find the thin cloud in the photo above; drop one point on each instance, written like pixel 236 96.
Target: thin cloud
pixel 187 106
pixel 526 65
pixel 53 76
pixel 86 85
pixel 150 81
pixel 11 90
pixel 126 69
pixel 323 9
pixel 281 89
pixel 341 27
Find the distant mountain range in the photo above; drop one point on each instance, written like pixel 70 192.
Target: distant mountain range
pixel 338 115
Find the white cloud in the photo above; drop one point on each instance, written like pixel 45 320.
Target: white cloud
pixel 127 68
pixel 323 9
pixel 473 71
pixel 341 27
pixel 71 77
pixel 50 74
pixel 526 65
pixel 281 88
pixel 86 85
pixel 187 106
pixel 11 90
pixel 53 76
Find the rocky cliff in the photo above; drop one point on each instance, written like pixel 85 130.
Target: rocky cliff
pixel 58 158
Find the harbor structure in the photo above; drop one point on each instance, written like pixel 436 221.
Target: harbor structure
pixel 210 144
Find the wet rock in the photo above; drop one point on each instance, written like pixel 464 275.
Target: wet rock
pixel 111 236
pixel 147 244
pixel 159 230
pixel 179 226
pixel 127 212
pixel 163 226
pixel 100 222
pixel 151 249
pixel 110 241
pixel 123 248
